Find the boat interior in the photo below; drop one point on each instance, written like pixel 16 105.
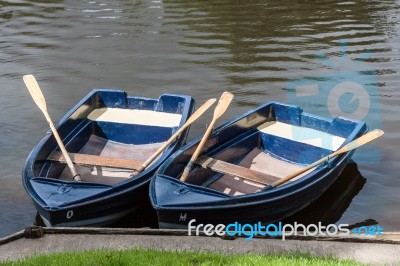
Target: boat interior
pixel 274 148
pixel 109 132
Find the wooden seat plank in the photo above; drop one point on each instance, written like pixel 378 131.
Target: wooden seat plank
pixel 95 160
pixel 236 170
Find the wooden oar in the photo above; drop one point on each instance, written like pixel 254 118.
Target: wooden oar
pixel 38 98
pixel 191 119
pixel 351 146
pixel 222 105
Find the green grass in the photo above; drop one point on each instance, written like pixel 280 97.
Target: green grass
pixel 154 257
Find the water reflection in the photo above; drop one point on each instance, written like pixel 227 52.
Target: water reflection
pixel 329 208
pixel 268 42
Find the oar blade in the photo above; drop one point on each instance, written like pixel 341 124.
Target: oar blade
pixel 223 104
pixel 35 91
pixel 201 110
pixel 38 98
pixel 370 136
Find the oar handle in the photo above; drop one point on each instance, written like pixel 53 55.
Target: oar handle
pixel 74 173
pixel 197 152
pixel 299 172
pixel 161 149
pixel 191 119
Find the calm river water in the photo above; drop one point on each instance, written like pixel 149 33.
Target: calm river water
pixel 259 50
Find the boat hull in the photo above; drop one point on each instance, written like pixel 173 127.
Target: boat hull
pixel 105 194
pixel 266 212
pixel 100 212
pixel 283 137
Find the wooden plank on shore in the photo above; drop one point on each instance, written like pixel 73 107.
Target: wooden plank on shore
pixel 236 170
pixel 96 160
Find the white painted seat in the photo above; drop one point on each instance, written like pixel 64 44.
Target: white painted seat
pixel 135 117
pixel 304 135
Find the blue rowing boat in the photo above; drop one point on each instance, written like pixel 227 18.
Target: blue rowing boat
pixel 105 133
pixel 240 158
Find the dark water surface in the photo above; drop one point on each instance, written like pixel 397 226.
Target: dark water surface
pixel 254 49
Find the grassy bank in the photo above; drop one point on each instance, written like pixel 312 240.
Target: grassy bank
pixel 154 257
